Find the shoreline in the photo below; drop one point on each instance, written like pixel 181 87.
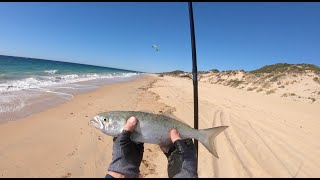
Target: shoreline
pixel 35 101
pixel 268 136
pixel 29 140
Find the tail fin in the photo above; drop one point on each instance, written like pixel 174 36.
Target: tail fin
pixel 207 136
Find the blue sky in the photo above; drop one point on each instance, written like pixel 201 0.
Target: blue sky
pixel 228 35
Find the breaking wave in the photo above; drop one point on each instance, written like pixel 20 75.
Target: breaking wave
pixel 47 81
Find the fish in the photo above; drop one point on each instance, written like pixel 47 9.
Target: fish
pixel 154 128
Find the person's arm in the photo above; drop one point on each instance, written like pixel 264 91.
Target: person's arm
pixel 126 155
pixel 182 161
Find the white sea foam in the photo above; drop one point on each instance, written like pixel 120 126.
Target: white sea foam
pixel 51 71
pixel 54 92
pixel 10 103
pixel 49 81
pixel 14 94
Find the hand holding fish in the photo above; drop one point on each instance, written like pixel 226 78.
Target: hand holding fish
pixel 127 155
pixel 173 136
pixel 154 128
pixel 182 162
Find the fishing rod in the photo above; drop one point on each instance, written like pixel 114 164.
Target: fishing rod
pixel 195 73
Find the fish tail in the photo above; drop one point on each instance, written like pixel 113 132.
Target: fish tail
pixel 206 137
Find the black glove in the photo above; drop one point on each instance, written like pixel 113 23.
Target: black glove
pixel 182 162
pixel 126 155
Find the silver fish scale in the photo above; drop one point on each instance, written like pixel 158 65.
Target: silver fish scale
pixel 154 128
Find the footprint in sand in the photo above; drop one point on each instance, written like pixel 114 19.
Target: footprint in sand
pixel 145 162
pixel 148 168
pixel 72 153
pixel 67 175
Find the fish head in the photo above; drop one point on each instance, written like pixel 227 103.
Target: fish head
pixel 108 124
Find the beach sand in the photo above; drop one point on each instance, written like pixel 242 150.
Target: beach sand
pixel 268 136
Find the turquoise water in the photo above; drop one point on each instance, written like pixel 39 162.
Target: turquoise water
pixel 29 85
pixel 14 68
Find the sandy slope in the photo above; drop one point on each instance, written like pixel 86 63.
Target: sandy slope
pixel 303 86
pixel 268 136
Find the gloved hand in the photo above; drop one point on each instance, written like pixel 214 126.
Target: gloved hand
pixel 127 155
pixel 182 162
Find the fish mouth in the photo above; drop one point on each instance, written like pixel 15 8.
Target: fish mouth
pixel 96 123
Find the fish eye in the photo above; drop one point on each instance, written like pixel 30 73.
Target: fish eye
pixel 105 119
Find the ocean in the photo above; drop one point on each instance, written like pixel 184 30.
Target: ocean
pixel 30 85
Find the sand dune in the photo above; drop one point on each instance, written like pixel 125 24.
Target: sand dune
pixel 299 82
pixel 268 136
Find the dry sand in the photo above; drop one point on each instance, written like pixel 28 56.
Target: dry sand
pixel 268 136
